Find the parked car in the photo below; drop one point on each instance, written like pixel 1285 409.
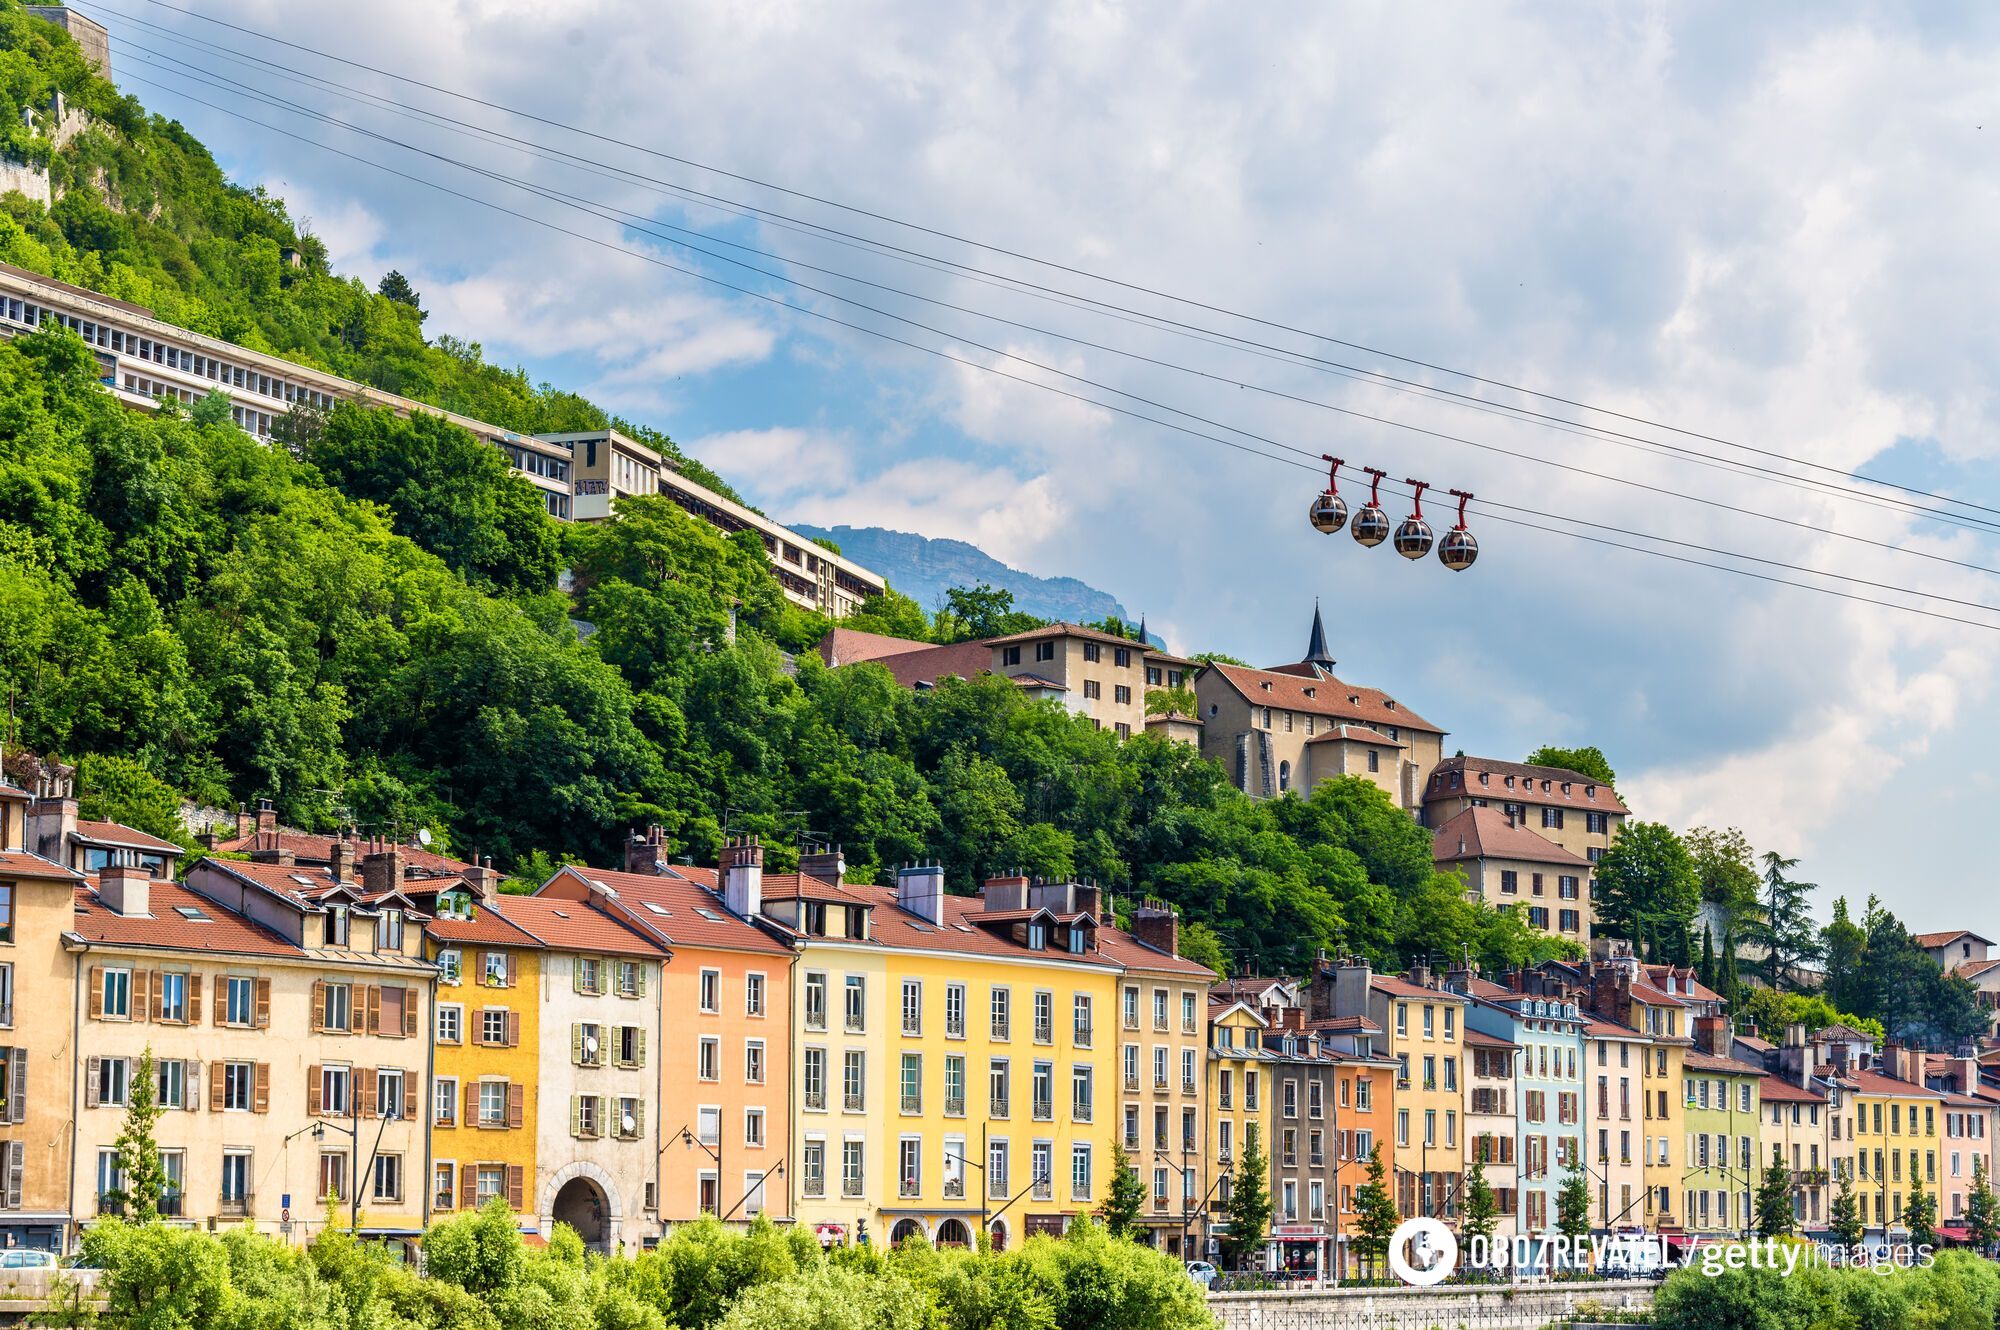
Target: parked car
pixel 23 1259
pixel 1202 1273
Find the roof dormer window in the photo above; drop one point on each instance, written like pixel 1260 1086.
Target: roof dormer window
pixel 1590 791
pixel 1266 685
pixel 1485 778
pixel 1038 936
pixel 1311 691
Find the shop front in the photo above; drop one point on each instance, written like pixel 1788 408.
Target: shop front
pixel 1299 1251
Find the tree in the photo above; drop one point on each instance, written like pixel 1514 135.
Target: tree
pixel 1774 1198
pixel 1589 762
pixel 397 287
pixel 143 1177
pixel 1784 925
pixel 1125 1201
pixel 1172 702
pixel 1376 1217
pixel 1920 1217
pixel 1844 944
pixel 1647 887
pixel 1845 1218
pixel 1482 1210
pixel 982 611
pixel 1249 1207
pixel 1573 1203
pixel 1727 867
pixel 1727 981
pixel 1982 1208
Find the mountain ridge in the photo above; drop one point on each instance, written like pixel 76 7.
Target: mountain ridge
pixel 925 567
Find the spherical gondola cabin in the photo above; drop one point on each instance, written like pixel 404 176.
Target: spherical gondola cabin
pixel 1458 549
pixel 1371 525
pixel 1413 534
pixel 1329 512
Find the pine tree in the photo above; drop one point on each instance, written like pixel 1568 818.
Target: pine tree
pixel 397 287
pixel 1126 1200
pixel 1728 983
pixel 1376 1216
pixel 1845 1218
pixel 1786 929
pixel 1774 1198
pixel 1982 1209
pixel 1920 1217
pixel 1705 970
pixel 1249 1205
pixel 1573 1203
pixel 1482 1211
pixel 145 1178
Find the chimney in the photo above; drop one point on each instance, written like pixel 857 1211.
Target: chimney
pixel 1089 899
pixel 827 863
pixel 1711 1035
pixel 1419 974
pixel 340 857
pixel 1002 893
pixel 244 826
pixel 743 876
pixel 267 819
pixel 648 853
pixel 383 870
pixel 126 888
pixel 1348 989
pixel 51 824
pixel 920 890
pixel 1157 925
pixel 482 879
pixel 265 850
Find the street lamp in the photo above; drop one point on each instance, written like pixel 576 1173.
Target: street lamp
pixel 1187 1193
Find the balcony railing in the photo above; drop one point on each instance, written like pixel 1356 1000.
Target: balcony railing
pixel 815 1099
pixel 1132 1140
pixel 853 1103
pixel 999 1107
pixel 813 1186
pixel 954 1189
pixel 908 1187
pixel 1045 1032
pixel 1000 1028
pixel 954 1028
pixel 850 1186
pixel 954 1105
pixel 855 1023
pixel 815 1020
pixel 1080 1111
pixel 1160 1021
pixel 1079 1191
pixel 1082 1034
pixel 996 1184
pixel 237 1207
pixel 913 1103
pixel 1187 1085
pixel 1132 1080
pixel 1044 1110
pixel 912 1025
pixel 1044 1189
pixel 1160 1080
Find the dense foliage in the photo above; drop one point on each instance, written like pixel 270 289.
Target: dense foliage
pixel 480 1276
pixel 1960 1292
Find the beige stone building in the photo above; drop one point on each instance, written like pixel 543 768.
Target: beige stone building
pixel 1504 863
pixel 1098 675
pixel 1290 727
pixel 1567 807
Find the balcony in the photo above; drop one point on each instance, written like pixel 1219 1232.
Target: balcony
pixel 913 1026
pixel 913 1103
pixel 1044 1190
pixel 1044 1110
pixel 1225 1102
pixel 850 1187
pixel 813 1186
pixel 816 1099
pixel 1160 1022
pixel 1045 1032
pixel 1082 1035
pixel 1081 1112
pixel 996 1185
pixel 908 1187
pixel 1159 1200
pixel 954 1027
pixel 954 1189
pixel 856 1023
pixel 1132 1081
pixel 954 1105
pixel 1000 1028
pixel 999 1107
pixel 816 1020
pixel 853 1103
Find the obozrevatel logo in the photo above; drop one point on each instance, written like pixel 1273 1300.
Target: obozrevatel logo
pixel 1431 1256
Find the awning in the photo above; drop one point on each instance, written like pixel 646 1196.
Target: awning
pixel 1954 1233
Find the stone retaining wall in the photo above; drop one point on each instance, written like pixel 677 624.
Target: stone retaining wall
pixel 1502 1307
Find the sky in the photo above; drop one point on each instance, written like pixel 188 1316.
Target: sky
pixel 1769 225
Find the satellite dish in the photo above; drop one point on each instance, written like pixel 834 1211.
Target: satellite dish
pixel 630 1126
pixel 424 837
pixel 590 1047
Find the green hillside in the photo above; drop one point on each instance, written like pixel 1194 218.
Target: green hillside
pixel 187 613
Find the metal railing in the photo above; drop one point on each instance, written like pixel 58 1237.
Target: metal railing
pixel 1044 1110
pixel 813 1186
pixel 954 1106
pixel 999 1107
pixel 913 1103
pixel 815 1099
pixel 954 1189
pixel 853 1103
pixel 1000 1028
pixel 850 1187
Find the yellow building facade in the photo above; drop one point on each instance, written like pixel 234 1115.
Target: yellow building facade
pixel 1895 1134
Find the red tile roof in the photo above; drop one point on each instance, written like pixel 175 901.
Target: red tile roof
pixel 219 930
pixel 1929 940
pixel 847 646
pixel 1776 1089
pixel 682 897
pixel 117 833
pixel 572 925
pixel 1485 833
pixel 1133 954
pixel 1696 1060
pixel 1485 1040
pixel 1532 784
pixel 1357 734
pixel 11 791
pixel 1321 694
pixel 1686 985
pixel 314 849
pixel 1345 1025
pixel 489 926
pixel 1398 986
pixel 1874 1082
pixel 1082 633
pixel 20 863
pixel 1596 1027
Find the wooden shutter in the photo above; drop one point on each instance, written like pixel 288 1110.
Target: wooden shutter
pixel 576 1044
pixel 638 1116
pixel 312 1090
pixel 374 1024
pixel 191 1085
pixel 218 1085
pixel 641 1031
pixel 576 973
pixel 471 1117
pixel 262 1103
pixel 219 1009
pixel 194 999
pixel 468 1187
pixel 142 994
pixel 318 1006
pixel 409 1013
pixel 410 1098
pixel 642 978
pixel 509 958
pixel 97 992
pixel 368 1078
pixel 516 1103
pixel 17 1085
pixel 513 1029
pixel 575 1113
pixel 263 1003
pixel 90 1074
pixel 16 1162
pixel 516 1184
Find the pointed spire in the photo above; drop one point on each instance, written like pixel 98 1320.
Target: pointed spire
pixel 1143 639
pixel 1316 651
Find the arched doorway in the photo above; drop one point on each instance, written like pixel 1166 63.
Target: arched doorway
pixel 953 1233
pixel 999 1234
pixel 904 1230
pixel 581 1204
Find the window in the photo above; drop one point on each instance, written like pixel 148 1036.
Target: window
pixel 389 1176
pixel 113 1081
pixel 708 1059
pixel 493 1027
pixel 753 995
pixel 1008 656
pixel 450 1024
pixel 444 1101
pixel 586 975
pixel 333 1088
pixel 117 994
pixel 1188 1020
pixel 1080 1093
pixel 332 1176
pixel 1079 1172
pixel 389 1092
pixel 110 1179
pixel 239 1084
pixel 855 1008
pixel 753 1061
pixel 1081 1019
pixel 854 1081
pixel 711 990
pixel 1092 652
pixel 171 1088
pixel 389 931
pixel 910 1082
pixel 1121 694
pixel 853 1154
pixel 631 979
pixel 236 1180
pixel 913 1007
pixel 173 997
pixel 1001 1002
pixel 954 1011
pixel 954 1085
pixel 444 1186
pixel 337 1007
pixel 815 1001
pixel 1045 651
